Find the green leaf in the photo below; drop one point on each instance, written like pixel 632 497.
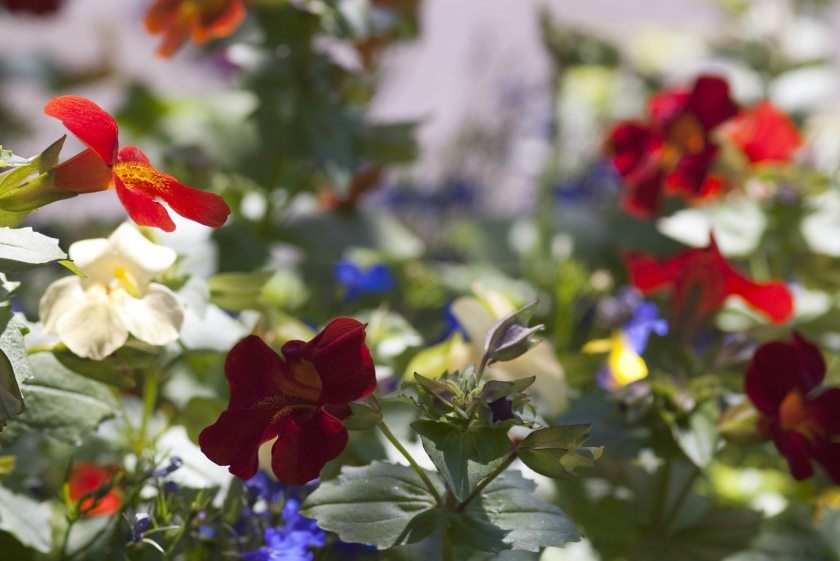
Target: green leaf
pixel 60 403
pixel 111 370
pixel 26 519
pixel 11 400
pixel 381 504
pixel 43 162
pixel 557 451
pixel 200 413
pixel 366 413
pixel 14 366
pixel 698 437
pixel 510 337
pixel 508 516
pixel 462 457
pixel 23 248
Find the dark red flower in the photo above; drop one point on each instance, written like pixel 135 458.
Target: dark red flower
pixel 34 7
pixel 85 479
pixel 293 398
pixel 784 383
pixel 199 20
pixel 137 182
pixel 765 134
pixel 700 280
pixel 673 151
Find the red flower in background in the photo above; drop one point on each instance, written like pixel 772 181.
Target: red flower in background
pixel 700 280
pixel 783 382
pixel 294 398
pixel 673 151
pixel 136 181
pixel 198 20
pixel 86 478
pixel 34 7
pixel 765 134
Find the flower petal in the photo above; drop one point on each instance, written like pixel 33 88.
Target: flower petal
pixel 83 173
pixel 794 448
pixel 89 122
pixel 142 208
pixel 773 299
pixel 92 329
pixel 144 258
pixel 776 369
pixel 341 359
pixel 234 439
pixel 155 318
pixel 254 372
pixel 765 134
pixel 60 297
pixel 199 206
pixel 222 25
pixel 710 101
pixel 648 274
pixel 305 444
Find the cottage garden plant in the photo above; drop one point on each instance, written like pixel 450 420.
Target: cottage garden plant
pixel 286 350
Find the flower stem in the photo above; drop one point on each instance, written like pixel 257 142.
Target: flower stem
pixel 150 387
pixel 420 472
pixel 481 366
pixel 487 480
pixel 447 549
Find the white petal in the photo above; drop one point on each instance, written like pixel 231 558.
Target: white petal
pixel 474 318
pixel 149 257
pixel 92 329
pixel 60 297
pixel 156 318
pixel 89 257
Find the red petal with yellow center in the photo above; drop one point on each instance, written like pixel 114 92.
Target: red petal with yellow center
pixel 341 359
pixel 83 173
pixel 89 122
pixel 779 368
pixel 305 443
pixel 142 208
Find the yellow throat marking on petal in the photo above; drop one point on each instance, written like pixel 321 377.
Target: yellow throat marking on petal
pixel 138 176
pixel 625 363
pixel 304 383
pixel 127 281
pixel 794 416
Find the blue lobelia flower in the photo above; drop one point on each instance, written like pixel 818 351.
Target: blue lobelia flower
pixel 292 541
pixel 644 321
pixel 358 281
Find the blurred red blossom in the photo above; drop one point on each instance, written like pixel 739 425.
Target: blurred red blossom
pixel 137 182
pixel 783 381
pixel 87 478
pixel 671 152
pixel 34 7
pixel 196 20
pixel 701 279
pixel 297 398
pixel 765 134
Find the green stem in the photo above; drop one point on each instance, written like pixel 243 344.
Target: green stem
pixel 150 388
pixel 482 365
pixel 65 540
pixel 447 549
pixel 420 471
pixel 487 481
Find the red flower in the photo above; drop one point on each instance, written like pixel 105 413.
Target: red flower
pixel 673 152
pixel 783 382
pixel 700 280
pixel 137 182
pixel 199 20
pixel 34 7
pixel 293 398
pixel 87 478
pixel 765 134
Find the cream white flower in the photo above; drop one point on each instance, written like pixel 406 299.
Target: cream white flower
pixel 478 314
pixel 93 316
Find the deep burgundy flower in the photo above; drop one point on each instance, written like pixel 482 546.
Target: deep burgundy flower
pixel 671 152
pixel 34 7
pixel 765 134
pixel 701 279
pixel 294 398
pixel 784 383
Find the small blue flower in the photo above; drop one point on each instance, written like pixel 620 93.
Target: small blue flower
pixel 645 320
pixel 142 523
pixel 451 325
pixel 358 281
pixel 261 486
pixel 173 464
pixel 292 541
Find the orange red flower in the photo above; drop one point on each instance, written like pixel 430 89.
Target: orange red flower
pixel 84 484
pixel 784 382
pixel 137 182
pixel 197 20
pixel 297 398
pixel 701 279
pixel 765 134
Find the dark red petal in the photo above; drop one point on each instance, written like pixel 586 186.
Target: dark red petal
pixel 776 369
pixel 773 299
pixel 142 208
pixel 83 173
pixel 630 144
pixel 254 373
pixel 199 206
pixel 794 448
pixel 341 359
pixel 305 443
pixel 644 193
pixel 89 122
pixel 827 453
pixel 665 106
pixel 825 408
pixel 132 154
pixel 688 177
pixel 710 102
pixel 812 361
pixel 765 134
pixel 234 439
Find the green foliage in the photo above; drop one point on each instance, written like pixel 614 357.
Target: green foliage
pixel 558 451
pixel 24 248
pixel 26 519
pixel 511 337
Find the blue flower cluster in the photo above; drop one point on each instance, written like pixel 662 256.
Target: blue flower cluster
pixel 291 541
